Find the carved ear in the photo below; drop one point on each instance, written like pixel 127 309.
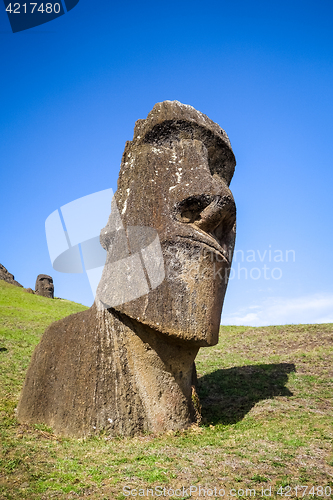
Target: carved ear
pixel 114 224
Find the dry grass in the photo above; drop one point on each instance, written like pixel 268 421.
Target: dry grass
pixel 266 396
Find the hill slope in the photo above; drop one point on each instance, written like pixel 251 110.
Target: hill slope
pixel 266 396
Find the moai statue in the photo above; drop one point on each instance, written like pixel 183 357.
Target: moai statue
pixel 126 365
pixel 44 286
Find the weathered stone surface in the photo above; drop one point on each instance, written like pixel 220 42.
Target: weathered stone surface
pixel 130 368
pixel 44 286
pixel 6 276
pixel 29 290
pixel 97 370
pixel 174 177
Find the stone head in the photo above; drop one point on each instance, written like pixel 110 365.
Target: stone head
pixel 174 179
pixel 44 286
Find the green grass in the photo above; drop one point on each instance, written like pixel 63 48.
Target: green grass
pixel 266 396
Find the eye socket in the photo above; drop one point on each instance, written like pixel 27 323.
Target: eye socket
pixel 189 210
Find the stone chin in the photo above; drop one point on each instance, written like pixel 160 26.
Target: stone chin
pixel 187 305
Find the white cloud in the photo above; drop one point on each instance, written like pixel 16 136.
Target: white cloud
pixel 317 308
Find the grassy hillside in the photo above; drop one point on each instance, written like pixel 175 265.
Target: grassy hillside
pixel 266 396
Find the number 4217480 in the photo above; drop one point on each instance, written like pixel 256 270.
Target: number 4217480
pixel 31 8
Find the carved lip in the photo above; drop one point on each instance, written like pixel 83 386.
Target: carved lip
pixel 211 242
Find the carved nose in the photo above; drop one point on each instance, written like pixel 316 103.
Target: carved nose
pixel 222 208
pixel 215 215
pixel 206 212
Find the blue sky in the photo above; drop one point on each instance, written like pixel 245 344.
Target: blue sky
pixel 72 89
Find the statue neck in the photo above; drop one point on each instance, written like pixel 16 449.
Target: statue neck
pixel 160 369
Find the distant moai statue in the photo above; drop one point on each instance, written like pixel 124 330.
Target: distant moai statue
pixel 126 365
pixel 44 286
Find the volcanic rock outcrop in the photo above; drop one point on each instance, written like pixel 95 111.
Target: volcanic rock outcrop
pixel 126 365
pixel 6 276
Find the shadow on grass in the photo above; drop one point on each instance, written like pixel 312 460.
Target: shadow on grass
pixel 228 395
